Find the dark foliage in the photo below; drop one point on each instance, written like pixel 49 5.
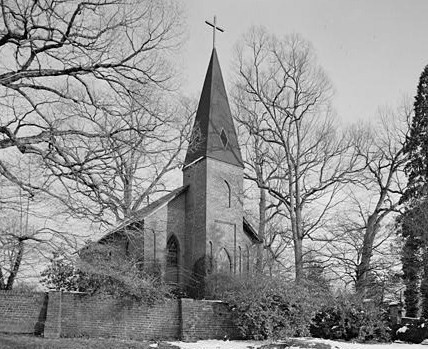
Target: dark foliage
pixel 413 332
pixel 350 318
pixel 417 144
pixel 415 220
pixel 411 265
pixel 268 307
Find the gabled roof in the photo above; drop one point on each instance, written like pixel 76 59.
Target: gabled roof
pixel 145 212
pixel 251 232
pixel 213 129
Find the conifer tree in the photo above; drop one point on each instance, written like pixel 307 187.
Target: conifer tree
pixel 411 260
pixel 415 219
pixel 417 144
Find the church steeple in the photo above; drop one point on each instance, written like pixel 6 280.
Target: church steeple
pixel 213 130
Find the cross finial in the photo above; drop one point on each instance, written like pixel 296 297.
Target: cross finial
pixel 214 25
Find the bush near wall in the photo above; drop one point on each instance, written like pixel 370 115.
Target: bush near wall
pixel 413 330
pixel 349 317
pixel 266 307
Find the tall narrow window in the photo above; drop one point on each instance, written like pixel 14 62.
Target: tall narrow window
pixel 211 257
pixel 172 260
pixel 240 260
pixel 228 193
pixel 224 263
pixel 247 261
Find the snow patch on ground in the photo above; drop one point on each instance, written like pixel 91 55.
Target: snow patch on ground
pixel 219 344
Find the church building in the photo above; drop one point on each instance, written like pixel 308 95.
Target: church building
pixel 199 228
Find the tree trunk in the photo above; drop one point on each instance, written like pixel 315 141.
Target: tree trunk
pixel 298 258
pixel 2 284
pixel 363 268
pixel 16 265
pixel 262 227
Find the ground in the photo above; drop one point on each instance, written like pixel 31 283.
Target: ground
pixel 298 343
pixel 30 342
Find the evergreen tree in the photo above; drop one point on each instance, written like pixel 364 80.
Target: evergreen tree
pixel 411 271
pixel 414 220
pixel 417 144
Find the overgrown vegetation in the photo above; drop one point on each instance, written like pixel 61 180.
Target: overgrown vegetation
pixel 273 308
pixel 99 272
pixel 349 317
pixel 413 332
pixel 268 307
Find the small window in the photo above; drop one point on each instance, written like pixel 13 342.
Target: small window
pixel 228 193
pixel 223 138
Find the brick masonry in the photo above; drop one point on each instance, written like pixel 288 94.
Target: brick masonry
pixel 206 320
pixel 62 314
pixel 22 312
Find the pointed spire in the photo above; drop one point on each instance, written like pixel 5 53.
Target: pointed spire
pixel 213 129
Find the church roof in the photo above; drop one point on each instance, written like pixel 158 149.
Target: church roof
pixel 213 130
pixel 143 213
pixel 251 232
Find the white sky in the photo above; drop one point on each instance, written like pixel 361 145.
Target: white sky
pixel 372 50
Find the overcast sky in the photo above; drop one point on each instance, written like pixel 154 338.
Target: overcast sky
pixel 372 50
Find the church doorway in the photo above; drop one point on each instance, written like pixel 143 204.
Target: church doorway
pixel 172 261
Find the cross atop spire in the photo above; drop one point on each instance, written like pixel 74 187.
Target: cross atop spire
pixel 214 25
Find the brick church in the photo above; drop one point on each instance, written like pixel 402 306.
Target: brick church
pixel 199 228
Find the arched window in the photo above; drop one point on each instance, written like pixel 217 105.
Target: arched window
pixel 228 194
pixel 172 251
pixel 172 260
pixel 224 263
pixel 211 257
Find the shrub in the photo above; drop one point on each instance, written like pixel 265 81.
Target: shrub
pixel 267 307
pixel 349 317
pixel 102 274
pixel 414 332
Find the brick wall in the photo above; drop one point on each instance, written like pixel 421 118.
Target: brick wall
pixel 22 312
pixel 76 315
pixel 62 314
pixel 203 319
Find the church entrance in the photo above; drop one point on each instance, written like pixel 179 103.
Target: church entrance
pixel 172 261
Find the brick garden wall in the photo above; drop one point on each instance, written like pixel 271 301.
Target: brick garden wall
pixel 76 315
pixel 22 312
pixel 62 314
pixel 206 319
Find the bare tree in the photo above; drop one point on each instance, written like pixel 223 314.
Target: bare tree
pixel 146 147
pixel 66 67
pixel 283 98
pixel 375 195
pixel 23 245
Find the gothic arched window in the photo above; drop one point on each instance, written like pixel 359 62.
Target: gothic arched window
pixel 172 260
pixel 224 263
pixel 172 251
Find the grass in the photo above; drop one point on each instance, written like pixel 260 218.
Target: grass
pixel 31 342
